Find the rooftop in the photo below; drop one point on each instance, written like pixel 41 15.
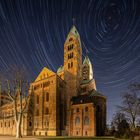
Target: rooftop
pixel 89 97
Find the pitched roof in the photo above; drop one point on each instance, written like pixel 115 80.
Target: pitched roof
pixel 94 93
pixel 45 72
pixel 89 97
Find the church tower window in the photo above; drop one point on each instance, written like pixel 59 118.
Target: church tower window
pixel 68 65
pixel 70 47
pixel 70 39
pixel 70 55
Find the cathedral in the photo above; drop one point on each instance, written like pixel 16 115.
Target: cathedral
pixel 63 103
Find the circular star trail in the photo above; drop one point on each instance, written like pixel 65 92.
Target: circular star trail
pixel 33 32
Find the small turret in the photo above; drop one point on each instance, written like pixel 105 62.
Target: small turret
pixel 88 80
pixel 87 72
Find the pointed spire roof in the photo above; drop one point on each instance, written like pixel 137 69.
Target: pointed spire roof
pixel 87 60
pixel 73 32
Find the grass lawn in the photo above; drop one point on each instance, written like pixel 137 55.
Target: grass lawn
pixel 77 138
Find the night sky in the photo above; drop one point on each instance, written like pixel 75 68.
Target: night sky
pixel 33 32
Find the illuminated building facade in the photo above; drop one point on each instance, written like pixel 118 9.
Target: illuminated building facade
pixel 65 102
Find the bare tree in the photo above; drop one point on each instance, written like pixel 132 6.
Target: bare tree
pixel 120 126
pixel 118 117
pixel 17 89
pixel 131 105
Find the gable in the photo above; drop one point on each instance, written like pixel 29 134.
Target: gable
pixel 44 74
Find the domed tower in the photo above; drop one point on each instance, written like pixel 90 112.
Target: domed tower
pixel 72 65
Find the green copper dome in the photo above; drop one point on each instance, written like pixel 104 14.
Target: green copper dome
pixel 60 69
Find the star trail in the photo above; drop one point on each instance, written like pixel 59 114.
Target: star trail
pixel 33 32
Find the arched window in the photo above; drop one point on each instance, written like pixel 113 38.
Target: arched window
pixel 71 46
pixel 70 39
pixel 77 110
pixel 46 111
pixel 77 121
pixel 37 112
pixel 71 64
pixel 86 120
pixel 72 55
pixel 37 99
pixel 47 96
pixel 30 123
pixel 68 65
pixel 86 109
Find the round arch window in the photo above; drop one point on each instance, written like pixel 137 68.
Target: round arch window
pixel 46 111
pixel 86 120
pixel 77 121
pixel 86 109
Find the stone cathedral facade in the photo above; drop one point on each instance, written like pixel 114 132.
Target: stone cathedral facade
pixel 65 102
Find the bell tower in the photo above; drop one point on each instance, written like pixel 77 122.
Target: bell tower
pixel 72 65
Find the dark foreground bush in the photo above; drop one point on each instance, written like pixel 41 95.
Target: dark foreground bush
pixel 127 135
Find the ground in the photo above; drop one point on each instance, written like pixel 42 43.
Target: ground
pixel 13 138
pixel 55 138
pixel 60 138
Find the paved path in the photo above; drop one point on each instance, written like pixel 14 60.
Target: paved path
pixel 13 138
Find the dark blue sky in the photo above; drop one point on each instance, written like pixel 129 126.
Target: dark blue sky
pixel 33 32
